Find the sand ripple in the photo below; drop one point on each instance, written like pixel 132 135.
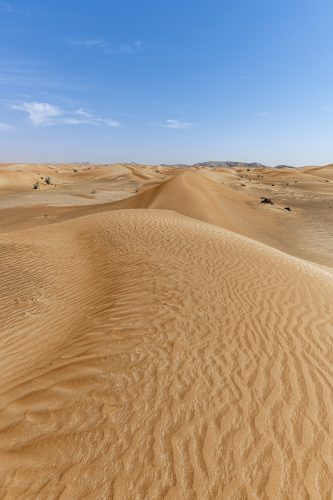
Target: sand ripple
pixel 149 355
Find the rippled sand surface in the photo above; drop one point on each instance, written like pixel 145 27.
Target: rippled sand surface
pixel 162 346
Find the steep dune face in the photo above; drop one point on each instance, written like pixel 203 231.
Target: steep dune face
pixel 229 197
pixel 192 194
pixel 199 197
pixel 146 354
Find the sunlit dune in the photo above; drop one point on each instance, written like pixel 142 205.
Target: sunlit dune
pixel 164 333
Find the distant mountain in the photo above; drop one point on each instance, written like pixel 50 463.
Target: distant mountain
pixel 229 164
pixel 225 164
pixel 213 164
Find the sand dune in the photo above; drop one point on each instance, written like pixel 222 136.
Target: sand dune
pixel 326 172
pixel 194 195
pixel 151 349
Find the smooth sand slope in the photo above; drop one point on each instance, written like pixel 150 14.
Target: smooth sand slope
pixel 192 194
pixel 229 198
pixel 148 354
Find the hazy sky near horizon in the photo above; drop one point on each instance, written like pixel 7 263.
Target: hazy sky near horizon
pixel 166 81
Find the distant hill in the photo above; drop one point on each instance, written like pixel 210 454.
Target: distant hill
pixel 229 164
pixel 213 164
pixel 225 164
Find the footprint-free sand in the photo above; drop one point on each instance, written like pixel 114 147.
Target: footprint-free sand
pixel 164 334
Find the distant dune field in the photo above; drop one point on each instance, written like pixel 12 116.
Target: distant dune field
pixel 165 334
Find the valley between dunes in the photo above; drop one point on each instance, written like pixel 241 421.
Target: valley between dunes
pixel 164 335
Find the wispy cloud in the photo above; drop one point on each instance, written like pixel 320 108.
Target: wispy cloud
pixel 131 48
pixel 9 8
pixel 82 112
pixel 111 123
pixel 43 114
pixel 90 43
pixel 107 46
pixel 174 123
pixel 263 113
pixel 5 126
pixel 39 113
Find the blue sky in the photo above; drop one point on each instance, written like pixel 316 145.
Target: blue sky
pixel 166 81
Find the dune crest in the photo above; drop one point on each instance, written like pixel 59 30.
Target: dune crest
pixel 197 196
pixel 192 194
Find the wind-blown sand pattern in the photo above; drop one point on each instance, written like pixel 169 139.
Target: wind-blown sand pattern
pixel 154 347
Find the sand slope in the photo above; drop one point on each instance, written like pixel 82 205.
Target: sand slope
pixel 146 354
pixel 231 199
pixel 194 195
pixel 325 172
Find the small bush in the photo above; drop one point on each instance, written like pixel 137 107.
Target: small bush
pixel 48 180
pixel 36 185
pixel 267 201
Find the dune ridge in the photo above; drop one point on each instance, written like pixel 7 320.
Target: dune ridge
pixel 158 356
pixel 194 195
pixel 231 199
pixel 156 342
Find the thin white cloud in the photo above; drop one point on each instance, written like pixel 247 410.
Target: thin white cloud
pixel 111 123
pixel 107 46
pixel 263 113
pixel 82 112
pixel 75 121
pixel 90 43
pixel 9 8
pixel 130 48
pixel 88 121
pixel 39 113
pixel 43 114
pixel 5 126
pixel 173 123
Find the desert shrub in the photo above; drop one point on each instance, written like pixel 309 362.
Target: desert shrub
pixel 48 180
pixel 35 185
pixel 267 201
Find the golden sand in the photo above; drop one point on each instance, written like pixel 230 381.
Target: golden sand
pixel 166 336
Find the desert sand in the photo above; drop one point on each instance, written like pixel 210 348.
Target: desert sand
pixel 164 334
